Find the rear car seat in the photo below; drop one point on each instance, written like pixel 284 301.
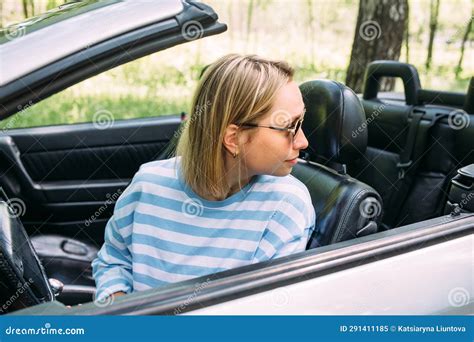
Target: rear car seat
pixel 415 146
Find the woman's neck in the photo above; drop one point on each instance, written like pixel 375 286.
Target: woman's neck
pixel 234 187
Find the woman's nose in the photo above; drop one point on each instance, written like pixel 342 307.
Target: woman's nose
pixel 300 142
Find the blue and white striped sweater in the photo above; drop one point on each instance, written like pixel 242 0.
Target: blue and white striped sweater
pixel 161 232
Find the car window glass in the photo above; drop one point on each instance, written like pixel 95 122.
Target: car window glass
pixel 155 85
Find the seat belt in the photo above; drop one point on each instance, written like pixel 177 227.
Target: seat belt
pixel 404 167
pixel 406 155
pixel 408 166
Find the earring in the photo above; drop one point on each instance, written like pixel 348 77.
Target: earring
pixel 235 154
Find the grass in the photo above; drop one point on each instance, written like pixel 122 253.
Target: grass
pixel 163 83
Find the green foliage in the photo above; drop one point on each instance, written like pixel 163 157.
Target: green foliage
pixel 163 83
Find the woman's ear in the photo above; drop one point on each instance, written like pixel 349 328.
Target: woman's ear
pixel 231 139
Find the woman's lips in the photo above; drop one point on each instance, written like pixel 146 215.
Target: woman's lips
pixel 293 161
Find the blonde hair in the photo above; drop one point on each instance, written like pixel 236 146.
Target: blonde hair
pixel 234 89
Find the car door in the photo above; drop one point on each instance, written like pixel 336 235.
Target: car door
pixel 64 178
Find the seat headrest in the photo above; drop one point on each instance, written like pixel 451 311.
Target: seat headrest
pixel 335 123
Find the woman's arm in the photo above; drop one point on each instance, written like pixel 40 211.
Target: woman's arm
pixel 112 269
pixel 289 228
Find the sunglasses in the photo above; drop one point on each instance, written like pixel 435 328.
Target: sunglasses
pixel 293 130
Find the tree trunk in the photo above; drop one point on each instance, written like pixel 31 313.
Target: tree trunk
pixel 51 4
pixel 32 4
pixel 25 8
pixel 1 14
pixel 250 9
pixel 434 11
pixel 407 38
pixel 378 35
pixel 463 43
pixel 310 25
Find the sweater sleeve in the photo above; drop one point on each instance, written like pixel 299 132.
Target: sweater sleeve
pixel 289 229
pixel 112 269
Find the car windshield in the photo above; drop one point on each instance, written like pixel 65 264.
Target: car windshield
pixel 51 17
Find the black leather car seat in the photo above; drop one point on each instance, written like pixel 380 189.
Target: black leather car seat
pixel 334 126
pixel 23 281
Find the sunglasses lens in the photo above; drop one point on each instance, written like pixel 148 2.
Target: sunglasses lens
pixel 297 128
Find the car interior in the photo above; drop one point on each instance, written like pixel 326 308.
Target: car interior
pixel 374 163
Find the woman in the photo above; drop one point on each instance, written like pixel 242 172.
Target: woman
pixel 227 200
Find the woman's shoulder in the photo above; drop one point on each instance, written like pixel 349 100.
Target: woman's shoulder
pixel 156 178
pixel 290 194
pixel 288 181
pixel 163 166
pixel 156 173
pixel 289 186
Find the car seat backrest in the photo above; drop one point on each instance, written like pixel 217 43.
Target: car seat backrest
pixel 345 207
pixel 333 113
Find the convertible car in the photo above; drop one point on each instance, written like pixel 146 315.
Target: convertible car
pixel 390 177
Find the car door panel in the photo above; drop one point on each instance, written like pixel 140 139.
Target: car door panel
pixel 69 176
